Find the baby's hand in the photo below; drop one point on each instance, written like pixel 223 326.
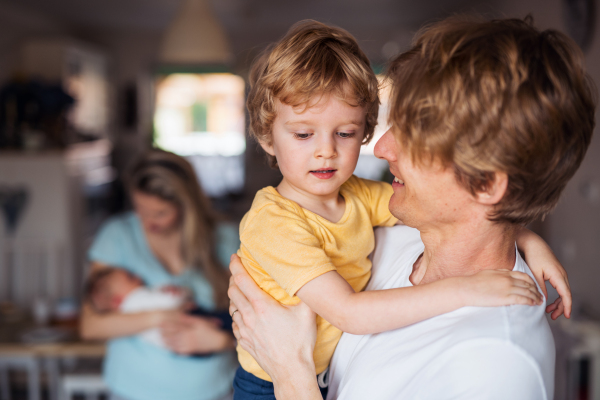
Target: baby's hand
pixel 493 288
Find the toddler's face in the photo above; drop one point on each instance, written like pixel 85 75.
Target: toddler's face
pixel 317 148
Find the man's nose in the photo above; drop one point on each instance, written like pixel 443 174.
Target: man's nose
pixel 326 148
pixel 385 148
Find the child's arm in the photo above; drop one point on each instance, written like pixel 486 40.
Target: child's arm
pixel 330 296
pixel 545 267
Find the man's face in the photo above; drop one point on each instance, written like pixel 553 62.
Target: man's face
pixel 424 195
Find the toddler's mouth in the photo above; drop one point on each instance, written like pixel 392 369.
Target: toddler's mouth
pixel 323 173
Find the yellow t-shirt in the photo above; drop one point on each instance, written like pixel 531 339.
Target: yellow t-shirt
pixel 284 246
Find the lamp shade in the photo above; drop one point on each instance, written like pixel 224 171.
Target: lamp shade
pixel 195 37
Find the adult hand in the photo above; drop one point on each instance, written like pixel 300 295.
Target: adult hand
pixel 280 338
pixel 188 334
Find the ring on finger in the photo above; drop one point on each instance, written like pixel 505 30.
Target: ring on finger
pixel 233 313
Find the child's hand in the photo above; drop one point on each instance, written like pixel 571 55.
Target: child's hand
pixel 500 287
pixel 545 267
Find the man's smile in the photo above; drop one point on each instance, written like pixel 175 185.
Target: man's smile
pixel 397 182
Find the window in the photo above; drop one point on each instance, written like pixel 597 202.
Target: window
pixel 369 166
pixel 201 117
pixel 200 114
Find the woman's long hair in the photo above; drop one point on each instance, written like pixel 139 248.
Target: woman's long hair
pixel 171 178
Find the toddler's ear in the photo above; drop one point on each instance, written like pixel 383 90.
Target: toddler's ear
pixel 268 147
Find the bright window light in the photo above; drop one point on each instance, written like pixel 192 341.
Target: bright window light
pixel 369 166
pixel 382 119
pixel 200 114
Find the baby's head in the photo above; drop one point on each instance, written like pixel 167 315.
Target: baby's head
pixel 107 288
pixel 313 63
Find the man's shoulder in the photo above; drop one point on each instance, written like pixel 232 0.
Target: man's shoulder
pixel 487 368
pixel 468 353
pixel 513 343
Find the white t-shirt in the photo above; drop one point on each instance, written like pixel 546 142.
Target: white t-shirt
pixel 503 353
pixel 146 299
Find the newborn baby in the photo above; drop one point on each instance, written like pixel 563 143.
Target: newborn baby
pixel 116 289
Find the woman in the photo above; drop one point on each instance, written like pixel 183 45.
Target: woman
pixel 168 240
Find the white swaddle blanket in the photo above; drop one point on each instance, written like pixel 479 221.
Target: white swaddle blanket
pixel 146 299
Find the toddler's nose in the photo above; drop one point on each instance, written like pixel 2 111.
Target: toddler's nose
pixel 326 149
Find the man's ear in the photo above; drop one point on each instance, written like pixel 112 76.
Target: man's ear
pixel 268 147
pixel 495 190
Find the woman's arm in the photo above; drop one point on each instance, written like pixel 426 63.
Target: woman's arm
pixel 281 339
pixel 96 326
pixel 189 334
pixel 331 297
pixel 545 267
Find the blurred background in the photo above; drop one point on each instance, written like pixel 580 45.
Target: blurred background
pixel 86 86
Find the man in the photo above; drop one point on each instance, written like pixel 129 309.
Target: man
pixel 489 122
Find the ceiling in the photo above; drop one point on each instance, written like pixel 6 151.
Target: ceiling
pixel 250 24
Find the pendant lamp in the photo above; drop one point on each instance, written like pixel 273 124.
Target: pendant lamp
pixel 195 37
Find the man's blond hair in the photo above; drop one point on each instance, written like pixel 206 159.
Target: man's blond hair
pixel 487 96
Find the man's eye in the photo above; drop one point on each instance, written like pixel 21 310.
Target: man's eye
pixel 302 135
pixel 345 134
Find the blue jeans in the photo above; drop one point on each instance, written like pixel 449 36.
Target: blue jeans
pixel 248 387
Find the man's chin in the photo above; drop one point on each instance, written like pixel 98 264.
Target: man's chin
pixel 404 217
pixel 396 209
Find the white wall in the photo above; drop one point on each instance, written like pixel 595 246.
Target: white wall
pixel 573 229
pixel 45 239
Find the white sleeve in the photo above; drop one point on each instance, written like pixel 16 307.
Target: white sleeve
pixel 487 370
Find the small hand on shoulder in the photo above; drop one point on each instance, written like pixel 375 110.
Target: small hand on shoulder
pixel 503 287
pixel 545 267
pixel 499 287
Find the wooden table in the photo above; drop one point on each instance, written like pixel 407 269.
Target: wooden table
pixel 37 357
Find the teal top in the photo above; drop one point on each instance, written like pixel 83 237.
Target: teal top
pixel 137 370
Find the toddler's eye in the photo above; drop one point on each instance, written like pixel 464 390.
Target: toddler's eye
pixel 345 134
pixel 302 135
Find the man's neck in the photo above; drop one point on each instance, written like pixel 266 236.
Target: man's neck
pixel 464 250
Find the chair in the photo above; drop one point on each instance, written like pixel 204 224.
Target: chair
pixel 27 363
pixel 89 385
